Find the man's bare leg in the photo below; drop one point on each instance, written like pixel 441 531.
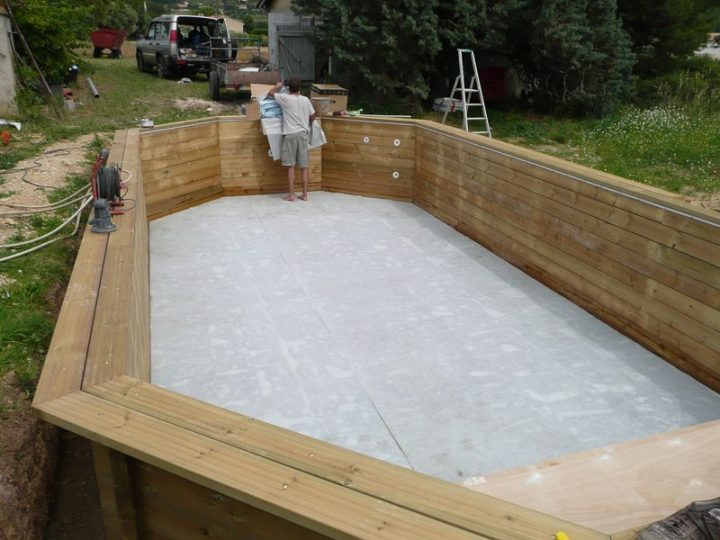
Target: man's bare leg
pixel 305 177
pixel 291 184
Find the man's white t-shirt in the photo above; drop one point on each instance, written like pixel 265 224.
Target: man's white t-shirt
pixel 296 112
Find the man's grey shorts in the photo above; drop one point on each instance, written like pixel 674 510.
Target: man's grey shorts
pixel 295 150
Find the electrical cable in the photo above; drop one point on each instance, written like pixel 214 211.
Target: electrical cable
pixel 46 235
pixel 43 206
pixel 128 172
pixel 47 209
pixel 78 213
pixel 38 164
pixel 132 207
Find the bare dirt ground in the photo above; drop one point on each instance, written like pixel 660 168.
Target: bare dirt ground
pixel 27 463
pixel 31 180
pixel 707 201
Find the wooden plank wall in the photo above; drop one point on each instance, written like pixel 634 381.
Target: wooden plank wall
pixel 361 156
pixel 180 165
pixel 247 169
pixel 649 271
pixel 170 507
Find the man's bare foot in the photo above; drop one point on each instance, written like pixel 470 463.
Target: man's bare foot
pixel 304 197
pixel 290 197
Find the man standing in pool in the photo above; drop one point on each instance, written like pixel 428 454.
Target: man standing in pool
pixel 298 114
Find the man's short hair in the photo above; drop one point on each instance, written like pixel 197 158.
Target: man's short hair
pixel 294 85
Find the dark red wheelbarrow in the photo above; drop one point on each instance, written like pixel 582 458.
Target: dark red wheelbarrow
pixel 108 38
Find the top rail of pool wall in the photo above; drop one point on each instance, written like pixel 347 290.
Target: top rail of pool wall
pixel 169 466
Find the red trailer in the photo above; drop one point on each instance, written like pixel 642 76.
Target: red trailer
pixel 108 38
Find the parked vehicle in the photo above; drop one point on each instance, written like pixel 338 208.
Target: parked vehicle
pixel 183 44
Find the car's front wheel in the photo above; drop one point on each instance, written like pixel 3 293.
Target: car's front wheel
pixel 140 62
pixel 161 68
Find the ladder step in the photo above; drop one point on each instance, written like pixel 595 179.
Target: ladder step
pixel 476 118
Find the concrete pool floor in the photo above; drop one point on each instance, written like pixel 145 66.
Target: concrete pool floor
pixel 372 325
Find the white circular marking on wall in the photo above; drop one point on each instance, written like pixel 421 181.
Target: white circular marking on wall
pixel 366 140
pixel 396 142
pixel 396 175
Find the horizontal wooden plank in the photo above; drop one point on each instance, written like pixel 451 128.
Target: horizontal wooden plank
pixel 404 143
pixel 168 206
pixel 304 499
pixel 265 189
pixel 178 136
pixel 255 188
pixel 360 149
pixel 369 193
pixel 161 156
pixel 373 190
pixel 377 159
pixel 256 164
pixel 177 508
pixel 366 172
pixel 397 485
pixel 181 172
pixel 182 190
pixel 184 158
pixel 370 128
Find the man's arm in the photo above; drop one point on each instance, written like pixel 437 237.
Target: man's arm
pixel 278 86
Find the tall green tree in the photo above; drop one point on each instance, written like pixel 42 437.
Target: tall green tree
pixel 120 14
pixel 248 24
pixel 386 44
pixel 666 32
pixel 53 29
pixel 575 56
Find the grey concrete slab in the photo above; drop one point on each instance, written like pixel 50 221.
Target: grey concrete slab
pixel 372 325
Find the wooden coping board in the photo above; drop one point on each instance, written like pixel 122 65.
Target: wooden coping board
pixel 313 484
pixel 619 487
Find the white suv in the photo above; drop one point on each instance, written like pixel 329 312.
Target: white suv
pixel 183 44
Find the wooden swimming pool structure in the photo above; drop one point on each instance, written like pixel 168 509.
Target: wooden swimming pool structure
pixel 170 466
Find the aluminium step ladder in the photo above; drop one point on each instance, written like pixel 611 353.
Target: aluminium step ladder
pixel 466 93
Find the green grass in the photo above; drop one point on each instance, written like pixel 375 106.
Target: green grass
pixel 32 287
pixel 666 146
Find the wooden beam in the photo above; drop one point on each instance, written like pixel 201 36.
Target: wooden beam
pixel 116 493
